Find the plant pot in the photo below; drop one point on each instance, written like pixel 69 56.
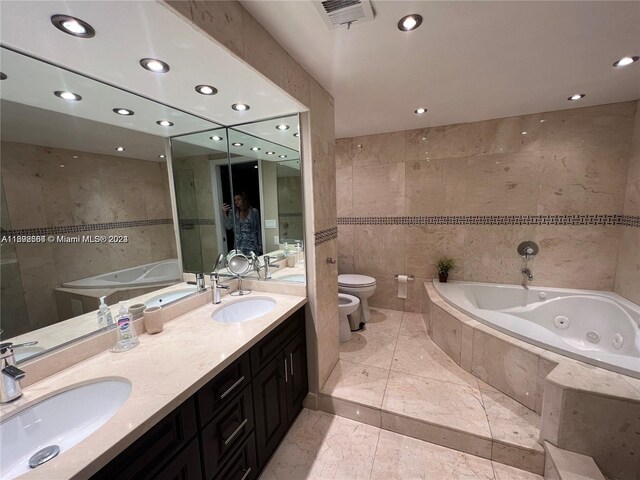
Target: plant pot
pixel 443 277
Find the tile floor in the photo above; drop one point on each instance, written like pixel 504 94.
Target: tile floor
pixel 320 445
pixel 392 375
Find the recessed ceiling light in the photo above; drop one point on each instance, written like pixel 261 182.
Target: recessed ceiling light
pixel 2 76
pixel 282 126
pixel 282 156
pixel 154 65
pixel 123 111
pixel 296 134
pixel 120 149
pixel 542 121
pixel 271 153
pixel 577 96
pixel 410 22
pixel 216 138
pixel 523 133
pixel 165 123
pixel 255 166
pixel 237 144
pixel 62 165
pixel 255 149
pixel 420 110
pixel 206 90
pixel 75 156
pixel 161 156
pixel 623 62
pixel 240 107
pixel 73 26
pixel 68 95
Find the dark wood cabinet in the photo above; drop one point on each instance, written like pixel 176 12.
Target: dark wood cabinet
pixel 280 388
pixel 229 429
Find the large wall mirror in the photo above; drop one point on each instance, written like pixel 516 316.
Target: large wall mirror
pixel 240 190
pixel 86 209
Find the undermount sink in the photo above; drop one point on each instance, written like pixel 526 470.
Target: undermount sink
pixel 294 277
pixel 245 309
pixel 166 298
pixel 23 353
pixel 62 421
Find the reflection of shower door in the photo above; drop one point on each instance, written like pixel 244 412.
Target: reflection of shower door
pixel 218 197
pixel 190 243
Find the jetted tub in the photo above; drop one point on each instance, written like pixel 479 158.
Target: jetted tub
pixel 158 273
pixel 599 328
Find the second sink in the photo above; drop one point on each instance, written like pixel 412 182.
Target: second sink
pixel 245 309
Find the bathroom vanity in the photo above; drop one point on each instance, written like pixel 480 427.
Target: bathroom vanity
pixel 208 399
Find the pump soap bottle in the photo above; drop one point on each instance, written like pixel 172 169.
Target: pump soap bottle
pixel 127 338
pixel 104 314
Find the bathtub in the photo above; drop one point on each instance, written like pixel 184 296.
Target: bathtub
pixel 599 328
pixel 158 273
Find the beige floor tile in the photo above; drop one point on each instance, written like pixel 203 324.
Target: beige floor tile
pixel 458 407
pixel 323 446
pixel 509 421
pixel 384 321
pixel 505 472
pixel 421 357
pixel 357 383
pixel 413 325
pixel 369 348
pixel 400 457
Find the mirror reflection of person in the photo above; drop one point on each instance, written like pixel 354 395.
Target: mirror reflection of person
pixel 248 235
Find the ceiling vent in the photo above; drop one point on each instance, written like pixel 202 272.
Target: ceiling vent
pixel 343 13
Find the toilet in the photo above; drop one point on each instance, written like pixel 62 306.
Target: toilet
pixel 347 304
pixel 361 286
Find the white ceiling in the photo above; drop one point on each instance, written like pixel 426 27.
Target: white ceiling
pixel 469 61
pixel 127 31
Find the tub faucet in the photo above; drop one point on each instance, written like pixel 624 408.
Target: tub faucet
pixel 10 388
pixel 267 266
pixel 527 273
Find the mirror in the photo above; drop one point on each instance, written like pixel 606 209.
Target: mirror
pixel 80 219
pixel 253 191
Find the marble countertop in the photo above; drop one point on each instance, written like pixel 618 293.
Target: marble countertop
pixel 164 370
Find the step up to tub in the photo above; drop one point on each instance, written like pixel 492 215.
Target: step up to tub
pixel 564 465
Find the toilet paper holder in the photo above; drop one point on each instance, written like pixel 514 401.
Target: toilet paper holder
pixel 411 278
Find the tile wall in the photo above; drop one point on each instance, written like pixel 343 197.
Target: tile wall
pixel 124 196
pixel 474 191
pixel 229 24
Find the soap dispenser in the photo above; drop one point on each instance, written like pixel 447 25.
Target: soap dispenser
pixel 104 314
pixel 127 338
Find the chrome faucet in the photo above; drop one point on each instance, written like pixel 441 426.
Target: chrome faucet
pixel 267 266
pixel 215 287
pixel 10 388
pixel 527 273
pixel 199 283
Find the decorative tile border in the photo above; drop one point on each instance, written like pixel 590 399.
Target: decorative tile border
pixel 60 230
pixel 196 221
pixel 324 236
pixel 626 220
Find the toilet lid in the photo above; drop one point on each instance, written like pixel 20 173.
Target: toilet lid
pixel 354 280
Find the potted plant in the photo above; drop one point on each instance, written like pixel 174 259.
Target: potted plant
pixel 444 266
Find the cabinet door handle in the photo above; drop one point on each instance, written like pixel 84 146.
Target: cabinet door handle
pixel 291 363
pixel 236 431
pixel 286 374
pixel 230 389
pixel 246 473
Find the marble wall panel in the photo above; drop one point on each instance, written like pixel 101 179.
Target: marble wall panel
pixel 262 51
pixel 627 282
pixel 385 149
pixel 297 80
pixel 446 332
pixel 379 250
pixel 346 249
pixel 435 186
pixel 386 294
pixel 576 256
pixel 379 190
pixel 344 178
pixel 424 244
pixel 324 166
pixel 322 114
pixel 415 292
pixel 225 22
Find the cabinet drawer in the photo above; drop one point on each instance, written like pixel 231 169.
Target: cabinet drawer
pixel 219 391
pixel 185 466
pixel 272 344
pixel 242 465
pixel 229 429
pixel 151 451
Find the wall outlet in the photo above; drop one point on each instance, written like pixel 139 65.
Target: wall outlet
pixel 276 239
pixel 270 224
